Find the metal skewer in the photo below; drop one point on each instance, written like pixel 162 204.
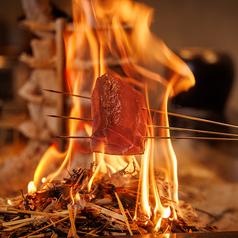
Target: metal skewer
pixel 160 137
pixel 74 118
pixel 190 137
pixel 67 94
pixel 192 118
pixel 156 111
pixel 73 137
pixel 155 126
pixel 194 130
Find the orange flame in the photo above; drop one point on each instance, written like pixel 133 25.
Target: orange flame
pixel 111 33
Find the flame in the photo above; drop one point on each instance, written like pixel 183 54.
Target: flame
pixel 51 157
pixel 31 187
pixel 107 33
pixel 77 198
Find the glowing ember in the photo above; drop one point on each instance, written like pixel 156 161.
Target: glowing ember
pixel 108 33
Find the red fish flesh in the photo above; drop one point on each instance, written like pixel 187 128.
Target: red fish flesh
pixel 119 122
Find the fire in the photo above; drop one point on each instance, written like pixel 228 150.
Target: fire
pixel 31 187
pixel 108 33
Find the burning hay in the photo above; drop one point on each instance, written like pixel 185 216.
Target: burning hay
pixel 69 208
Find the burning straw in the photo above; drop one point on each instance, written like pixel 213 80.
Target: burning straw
pixel 68 208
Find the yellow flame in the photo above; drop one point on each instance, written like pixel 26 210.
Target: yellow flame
pixel 100 165
pixel 77 198
pixel 110 33
pixel 158 224
pixel 88 129
pixel 9 202
pixel 50 157
pixel 31 187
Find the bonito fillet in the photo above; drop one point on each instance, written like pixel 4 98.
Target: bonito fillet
pixel 119 122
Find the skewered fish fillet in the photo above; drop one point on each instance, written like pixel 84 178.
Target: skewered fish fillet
pixel 119 122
